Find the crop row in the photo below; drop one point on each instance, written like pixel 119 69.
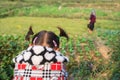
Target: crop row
pixel 86 62
pixel 77 50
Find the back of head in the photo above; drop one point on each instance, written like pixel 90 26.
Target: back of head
pixel 46 38
pixel 52 40
pixel 38 38
pixel 49 38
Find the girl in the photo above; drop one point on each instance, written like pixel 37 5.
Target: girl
pixel 42 60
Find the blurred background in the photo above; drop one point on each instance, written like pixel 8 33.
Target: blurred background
pixel 93 56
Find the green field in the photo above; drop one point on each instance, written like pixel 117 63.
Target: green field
pixel 20 25
pixel 92 56
pixel 73 16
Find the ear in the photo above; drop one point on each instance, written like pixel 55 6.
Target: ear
pixel 63 33
pixel 30 32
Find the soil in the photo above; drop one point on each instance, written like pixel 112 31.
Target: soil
pixel 102 48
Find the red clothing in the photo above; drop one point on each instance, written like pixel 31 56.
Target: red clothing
pixel 92 18
pixel 40 63
pixel 48 71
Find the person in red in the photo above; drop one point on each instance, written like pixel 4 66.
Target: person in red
pixel 92 21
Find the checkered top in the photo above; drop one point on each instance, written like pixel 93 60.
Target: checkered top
pixel 40 63
pixel 50 71
pixel 38 55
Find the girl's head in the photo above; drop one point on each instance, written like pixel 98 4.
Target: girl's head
pixel 49 38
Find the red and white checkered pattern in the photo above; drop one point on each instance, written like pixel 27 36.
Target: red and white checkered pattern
pixel 49 71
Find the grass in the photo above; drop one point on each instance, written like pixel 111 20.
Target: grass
pixel 20 25
pixel 17 16
pixel 105 10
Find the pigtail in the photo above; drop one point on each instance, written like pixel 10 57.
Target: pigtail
pixel 63 33
pixel 30 32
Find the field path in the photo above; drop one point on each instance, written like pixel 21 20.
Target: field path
pixel 102 48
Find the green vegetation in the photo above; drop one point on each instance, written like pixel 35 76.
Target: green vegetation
pixel 53 8
pixel 92 56
pixel 19 25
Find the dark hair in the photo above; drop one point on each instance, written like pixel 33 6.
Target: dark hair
pixel 49 37
pixel 30 32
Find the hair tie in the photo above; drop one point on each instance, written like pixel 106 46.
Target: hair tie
pixel 35 40
pixel 55 44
